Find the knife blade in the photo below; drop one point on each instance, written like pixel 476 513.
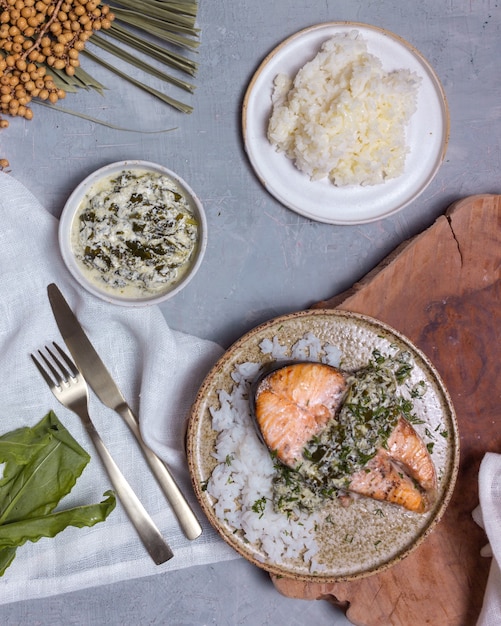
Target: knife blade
pixel 101 382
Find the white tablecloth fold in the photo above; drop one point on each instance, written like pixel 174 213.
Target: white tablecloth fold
pixel 488 515
pixel 158 370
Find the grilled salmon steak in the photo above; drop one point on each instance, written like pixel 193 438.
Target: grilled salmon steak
pixel 300 403
pixel 294 403
pixel 398 476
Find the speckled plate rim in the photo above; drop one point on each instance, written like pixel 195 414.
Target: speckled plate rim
pixel 428 132
pixel 72 204
pixel 199 415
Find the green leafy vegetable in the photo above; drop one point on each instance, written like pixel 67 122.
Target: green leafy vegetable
pixel 32 529
pixel 41 464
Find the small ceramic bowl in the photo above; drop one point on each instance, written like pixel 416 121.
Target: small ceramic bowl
pixel 90 279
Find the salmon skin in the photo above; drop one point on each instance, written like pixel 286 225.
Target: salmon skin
pixel 308 416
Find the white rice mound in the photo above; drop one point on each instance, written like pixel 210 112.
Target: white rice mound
pixel 245 470
pixel 344 117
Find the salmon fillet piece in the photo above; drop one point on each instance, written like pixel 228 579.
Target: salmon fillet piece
pixel 383 480
pixel 407 449
pixel 402 474
pixel 294 403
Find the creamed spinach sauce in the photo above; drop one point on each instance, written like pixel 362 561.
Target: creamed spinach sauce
pixel 368 416
pixel 135 234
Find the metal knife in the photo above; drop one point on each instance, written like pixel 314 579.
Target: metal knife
pixel 98 377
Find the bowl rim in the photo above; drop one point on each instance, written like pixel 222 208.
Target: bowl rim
pixel 72 205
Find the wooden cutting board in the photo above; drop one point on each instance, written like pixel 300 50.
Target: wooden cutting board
pixel 442 289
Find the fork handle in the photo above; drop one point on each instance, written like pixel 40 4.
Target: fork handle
pixel 151 537
pixel 185 515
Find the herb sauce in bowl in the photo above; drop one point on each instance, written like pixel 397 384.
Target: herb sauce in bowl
pixel 134 235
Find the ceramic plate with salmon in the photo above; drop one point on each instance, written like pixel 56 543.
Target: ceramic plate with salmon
pixel 299 369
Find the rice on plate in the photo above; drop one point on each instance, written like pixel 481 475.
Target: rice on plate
pixel 343 116
pixel 246 469
pixel 233 472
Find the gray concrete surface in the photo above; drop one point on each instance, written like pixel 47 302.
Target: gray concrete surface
pixel 262 259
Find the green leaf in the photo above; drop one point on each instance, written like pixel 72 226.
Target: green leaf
pixel 40 465
pixel 7 555
pixel 34 528
pixel 13 452
pixel 48 471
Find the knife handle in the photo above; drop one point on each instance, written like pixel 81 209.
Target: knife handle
pixel 184 513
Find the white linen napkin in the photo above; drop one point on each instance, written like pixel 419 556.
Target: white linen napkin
pixel 158 371
pixel 488 515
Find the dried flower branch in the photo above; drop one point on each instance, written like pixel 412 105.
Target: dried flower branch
pixel 41 42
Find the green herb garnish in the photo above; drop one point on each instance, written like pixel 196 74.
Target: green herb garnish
pixel 259 506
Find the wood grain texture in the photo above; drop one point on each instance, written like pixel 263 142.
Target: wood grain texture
pixel 441 289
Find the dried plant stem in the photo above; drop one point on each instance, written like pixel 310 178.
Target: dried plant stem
pixel 150 48
pixel 133 60
pixel 185 108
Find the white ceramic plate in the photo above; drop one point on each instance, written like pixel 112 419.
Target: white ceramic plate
pixel 427 133
pixel 72 206
pixel 353 541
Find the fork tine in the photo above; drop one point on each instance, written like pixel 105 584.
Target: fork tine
pixel 43 372
pixel 72 367
pixel 55 373
pixel 58 369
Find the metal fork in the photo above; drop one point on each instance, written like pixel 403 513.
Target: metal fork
pixel 70 388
